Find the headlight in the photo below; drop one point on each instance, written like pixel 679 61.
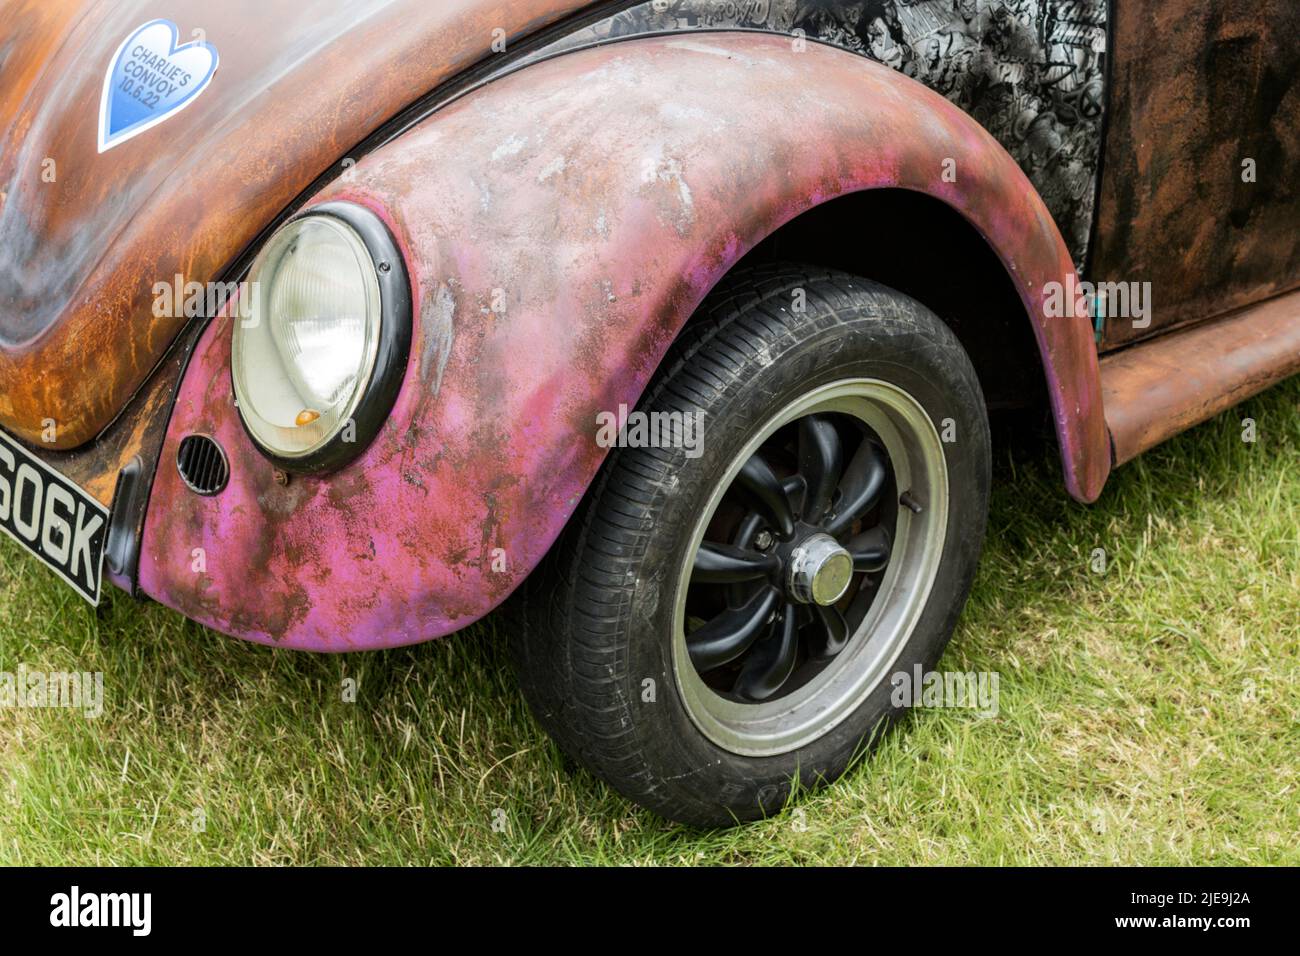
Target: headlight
pixel 319 356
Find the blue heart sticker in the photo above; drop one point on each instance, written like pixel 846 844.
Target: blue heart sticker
pixel 151 79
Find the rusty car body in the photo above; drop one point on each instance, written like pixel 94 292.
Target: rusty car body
pixel 564 183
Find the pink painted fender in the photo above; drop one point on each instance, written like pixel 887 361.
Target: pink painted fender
pixel 560 226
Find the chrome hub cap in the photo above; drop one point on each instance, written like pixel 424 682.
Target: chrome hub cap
pixel 820 571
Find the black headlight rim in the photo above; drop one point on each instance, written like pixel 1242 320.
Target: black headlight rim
pixel 396 325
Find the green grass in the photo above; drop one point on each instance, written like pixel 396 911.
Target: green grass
pixel 1148 715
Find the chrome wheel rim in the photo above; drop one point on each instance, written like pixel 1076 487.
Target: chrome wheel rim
pixel 836 663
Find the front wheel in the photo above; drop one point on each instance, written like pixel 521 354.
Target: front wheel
pixel 724 614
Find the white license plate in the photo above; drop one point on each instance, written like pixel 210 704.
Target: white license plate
pixel 52 518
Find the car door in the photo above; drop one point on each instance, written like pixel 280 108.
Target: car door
pixel 1202 161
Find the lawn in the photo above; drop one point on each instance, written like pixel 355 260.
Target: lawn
pixel 1148 714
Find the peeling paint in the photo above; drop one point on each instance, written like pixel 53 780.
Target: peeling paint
pixel 492 443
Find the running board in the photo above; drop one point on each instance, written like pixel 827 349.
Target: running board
pixel 1154 390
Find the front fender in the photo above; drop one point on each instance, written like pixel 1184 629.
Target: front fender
pixel 560 225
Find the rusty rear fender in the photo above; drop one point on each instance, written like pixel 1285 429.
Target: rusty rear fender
pixel 561 225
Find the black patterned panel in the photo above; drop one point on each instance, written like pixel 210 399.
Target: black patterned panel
pixel 1032 72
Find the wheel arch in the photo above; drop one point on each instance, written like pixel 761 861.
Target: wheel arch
pixel 977 297
pixel 923 175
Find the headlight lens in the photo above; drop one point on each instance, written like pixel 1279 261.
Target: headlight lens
pixel 304 356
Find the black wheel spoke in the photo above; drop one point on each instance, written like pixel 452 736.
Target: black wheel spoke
pixel 771 662
pixel 798 510
pixel 732 632
pixel 746 531
pixel 821 459
pixel 728 564
pixel 870 550
pixel 796 492
pixel 829 634
pixel 765 492
pixel 864 480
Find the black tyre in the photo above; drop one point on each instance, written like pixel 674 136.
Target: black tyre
pixel 720 621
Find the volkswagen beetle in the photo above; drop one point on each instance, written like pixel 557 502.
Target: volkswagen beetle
pixel 328 326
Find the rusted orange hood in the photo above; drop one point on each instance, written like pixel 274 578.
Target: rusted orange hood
pixel 85 235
